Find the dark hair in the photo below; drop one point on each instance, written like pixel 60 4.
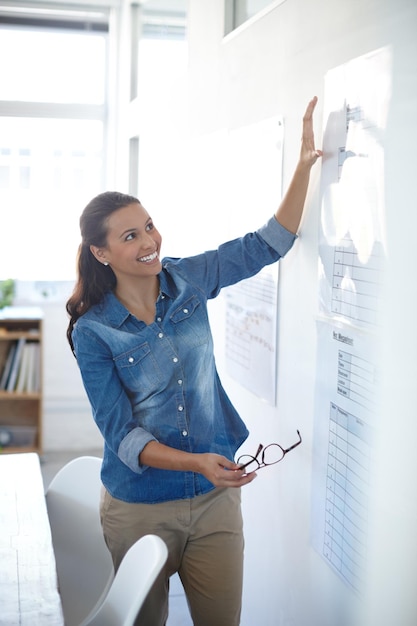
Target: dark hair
pixel 94 279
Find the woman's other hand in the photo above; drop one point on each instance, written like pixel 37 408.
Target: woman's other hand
pixel 222 472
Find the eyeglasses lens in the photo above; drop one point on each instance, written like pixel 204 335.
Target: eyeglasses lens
pixel 251 464
pixel 272 454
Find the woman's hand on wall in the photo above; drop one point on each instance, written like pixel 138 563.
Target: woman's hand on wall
pixel 290 211
pixel 309 154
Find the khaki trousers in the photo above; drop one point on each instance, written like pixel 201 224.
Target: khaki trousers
pixel 205 543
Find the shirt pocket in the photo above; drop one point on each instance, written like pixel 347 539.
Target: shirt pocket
pixel 138 369
pixel 190 322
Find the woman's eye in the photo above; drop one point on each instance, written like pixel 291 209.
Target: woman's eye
pixel 149 226
pixel 130 236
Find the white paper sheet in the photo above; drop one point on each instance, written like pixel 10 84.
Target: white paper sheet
pixel 352 226
pixel 255 181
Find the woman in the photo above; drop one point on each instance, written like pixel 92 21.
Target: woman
pixel 140 332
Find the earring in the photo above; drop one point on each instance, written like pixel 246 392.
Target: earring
pixel 105 263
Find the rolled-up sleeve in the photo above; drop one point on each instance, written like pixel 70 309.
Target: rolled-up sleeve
pixel 131 446
pixel 276 236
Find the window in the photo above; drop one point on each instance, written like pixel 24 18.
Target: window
pixel 49 169
pixel 237 12
pixel 159 59
pixel 52 137
pixel 47 65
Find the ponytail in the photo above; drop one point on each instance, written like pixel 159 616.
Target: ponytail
pixel 94 279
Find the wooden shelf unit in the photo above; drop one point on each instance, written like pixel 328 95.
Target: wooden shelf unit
pixel 21 410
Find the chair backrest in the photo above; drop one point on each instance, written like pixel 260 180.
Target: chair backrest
pixel 84 565
pixel 135 577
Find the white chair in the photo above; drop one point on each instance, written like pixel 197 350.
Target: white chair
pixel 88 588
pixel 132 583
pixel 84 565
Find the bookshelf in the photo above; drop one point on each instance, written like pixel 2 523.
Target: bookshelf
pixel 21 379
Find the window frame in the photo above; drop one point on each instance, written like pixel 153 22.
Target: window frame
pixel 232 28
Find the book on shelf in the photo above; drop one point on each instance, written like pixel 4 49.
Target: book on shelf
pixel 21 371
pixel 22 376
pixel 28 369
pixel 33 368
pixel 7 366
pixel 37 377
pixel 11 383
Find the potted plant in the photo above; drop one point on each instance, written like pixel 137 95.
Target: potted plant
pixel 6 292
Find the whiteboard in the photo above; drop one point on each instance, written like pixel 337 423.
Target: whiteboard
pixel 352 253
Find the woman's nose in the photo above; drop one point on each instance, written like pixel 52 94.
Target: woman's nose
pixel 149 242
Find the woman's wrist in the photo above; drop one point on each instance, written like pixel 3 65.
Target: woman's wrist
pixel 304 166
pixel 158 455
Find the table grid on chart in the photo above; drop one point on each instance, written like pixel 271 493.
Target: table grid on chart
pixel 249 318
pixel 356 284
pixel 356 379
pixel 347 495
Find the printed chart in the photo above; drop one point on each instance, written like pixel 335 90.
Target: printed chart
pixel 347 494
pixel 251 332
pixel 352 225
pixel 346 415
pixel 356 286
pixel 254 173
pixel 352 256
pixel 356 379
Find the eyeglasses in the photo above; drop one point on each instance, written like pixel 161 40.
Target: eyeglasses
pixel 271 454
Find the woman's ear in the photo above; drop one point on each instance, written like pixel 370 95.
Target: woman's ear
pixel 99 254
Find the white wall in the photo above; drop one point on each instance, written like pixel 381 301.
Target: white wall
pixel 273 67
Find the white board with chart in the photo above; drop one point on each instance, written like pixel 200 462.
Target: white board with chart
pixel 352 256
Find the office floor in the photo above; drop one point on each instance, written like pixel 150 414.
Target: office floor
pixel 51 462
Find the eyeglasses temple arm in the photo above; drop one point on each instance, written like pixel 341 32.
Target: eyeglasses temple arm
pixel 295 444
pixel 260 448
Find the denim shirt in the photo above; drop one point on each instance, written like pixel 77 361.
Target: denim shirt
pixel 159 381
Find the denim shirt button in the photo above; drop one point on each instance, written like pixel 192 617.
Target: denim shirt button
pixel 185 433
pixel 160 335
pixel 159 319
pixel 175 359
pixel 179 381
pixel 180 407
pixel 131 359
pixel 185 310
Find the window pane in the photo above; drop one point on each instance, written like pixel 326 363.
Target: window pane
pixel 52 66
pixel 237 12
pixel 49 170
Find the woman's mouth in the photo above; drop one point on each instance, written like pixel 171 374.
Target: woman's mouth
pixel 149 258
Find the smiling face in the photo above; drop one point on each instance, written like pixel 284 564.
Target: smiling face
pixel 133 244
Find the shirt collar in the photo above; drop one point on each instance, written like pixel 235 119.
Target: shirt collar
pixel 117 314
pixel 166 286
